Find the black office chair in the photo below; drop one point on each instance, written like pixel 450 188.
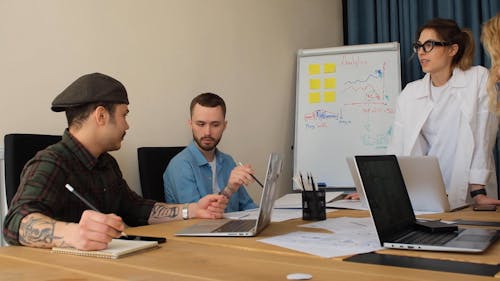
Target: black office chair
pixel 152 164
pixel 19 148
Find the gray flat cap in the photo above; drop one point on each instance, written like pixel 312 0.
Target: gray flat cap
pixel 91 88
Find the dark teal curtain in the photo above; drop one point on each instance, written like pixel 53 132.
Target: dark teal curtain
pixel 379 21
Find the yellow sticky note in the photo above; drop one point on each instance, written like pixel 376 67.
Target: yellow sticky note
pixel 314 97
pixel 329 97
pixel 314 69
pixel 330 68
pixel 330 83
pixel 314 84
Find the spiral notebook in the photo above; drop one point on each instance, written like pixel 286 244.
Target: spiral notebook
pixel 116 249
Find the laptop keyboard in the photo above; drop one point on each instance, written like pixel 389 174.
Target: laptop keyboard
pixel 236 226
pixel 426 238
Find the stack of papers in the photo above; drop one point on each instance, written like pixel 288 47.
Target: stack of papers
pixel 294 200
pixel 348 204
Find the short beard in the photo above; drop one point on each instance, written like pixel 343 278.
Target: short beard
pixel 208 149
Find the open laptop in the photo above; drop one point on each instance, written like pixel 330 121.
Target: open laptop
pixel 390 207
pixel 423 180
pixel 424 183
pixel 236 227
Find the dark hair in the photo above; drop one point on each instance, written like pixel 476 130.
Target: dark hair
pixel 449 32
pixel 76 115
pixel 208 100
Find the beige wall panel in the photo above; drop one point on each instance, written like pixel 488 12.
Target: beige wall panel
pixel 165 53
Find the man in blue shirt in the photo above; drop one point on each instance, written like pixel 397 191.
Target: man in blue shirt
pixel 201 168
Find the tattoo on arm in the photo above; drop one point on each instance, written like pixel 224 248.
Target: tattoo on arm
pixel 36 231
pixel 163 212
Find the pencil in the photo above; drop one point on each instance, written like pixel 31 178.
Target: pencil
pixel 70 188
pixel 302 181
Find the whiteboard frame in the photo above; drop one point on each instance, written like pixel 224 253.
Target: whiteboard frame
pixel 349 49
pixel 392 46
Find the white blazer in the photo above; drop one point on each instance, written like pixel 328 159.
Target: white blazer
pixel 474 161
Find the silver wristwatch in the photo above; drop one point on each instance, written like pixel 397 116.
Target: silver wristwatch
pixel 185 211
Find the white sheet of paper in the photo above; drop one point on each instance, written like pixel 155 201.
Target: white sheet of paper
pixel 350 236
pixel 325 244
pixel 294 200
pixel 347 204
pixel 250 214
pixel 346 225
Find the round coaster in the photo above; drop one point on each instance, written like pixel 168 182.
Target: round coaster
pixel 298 276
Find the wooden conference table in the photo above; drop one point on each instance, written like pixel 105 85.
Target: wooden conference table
pixel 192 258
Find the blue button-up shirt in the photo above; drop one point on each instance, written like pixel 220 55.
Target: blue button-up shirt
pixel 188 178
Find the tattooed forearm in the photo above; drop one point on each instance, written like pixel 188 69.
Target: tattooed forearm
pixel 37 231
pixel 163 212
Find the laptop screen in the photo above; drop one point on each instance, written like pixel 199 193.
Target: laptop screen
pixel 269 193
pixel 386 194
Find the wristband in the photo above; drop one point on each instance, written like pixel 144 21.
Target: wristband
pixel 226 193
pixel 476 192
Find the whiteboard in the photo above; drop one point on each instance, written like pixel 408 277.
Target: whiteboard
pixel 345 105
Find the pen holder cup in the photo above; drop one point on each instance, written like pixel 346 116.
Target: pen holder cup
pixel 313 205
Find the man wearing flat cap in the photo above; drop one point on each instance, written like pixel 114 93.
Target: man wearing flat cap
pixel 45 214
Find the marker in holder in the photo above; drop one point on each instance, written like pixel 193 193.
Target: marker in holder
pixel 313 205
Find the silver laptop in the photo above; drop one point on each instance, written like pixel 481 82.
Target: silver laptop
pixel 237 227
pixel 423 180
pixel 390 207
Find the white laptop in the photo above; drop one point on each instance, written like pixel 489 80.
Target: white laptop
pixel 423 180
pixel 424 183
pixel 241 227
pixel 391 209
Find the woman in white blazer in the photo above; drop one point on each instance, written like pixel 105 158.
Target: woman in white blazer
pixel 445 114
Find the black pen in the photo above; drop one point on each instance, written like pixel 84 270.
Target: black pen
pixel 70 188
pixel 261 185
pixel 302 181
pixel 312 182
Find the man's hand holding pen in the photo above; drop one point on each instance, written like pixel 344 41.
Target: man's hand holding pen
pixel 95 230
pixel 240 175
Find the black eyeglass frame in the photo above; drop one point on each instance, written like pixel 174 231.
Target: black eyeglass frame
pixel 416 46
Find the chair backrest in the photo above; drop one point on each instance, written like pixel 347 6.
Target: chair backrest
pixel 19 149
pixel 152 163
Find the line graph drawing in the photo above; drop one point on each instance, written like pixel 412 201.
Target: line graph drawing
pixel 367 98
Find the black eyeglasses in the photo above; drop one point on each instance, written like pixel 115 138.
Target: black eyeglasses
pixel 428 45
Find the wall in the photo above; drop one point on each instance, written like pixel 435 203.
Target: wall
pixel 3 201
pixel 165 53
